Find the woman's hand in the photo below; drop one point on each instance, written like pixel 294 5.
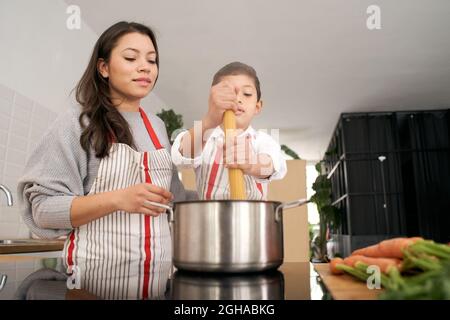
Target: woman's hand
pixel 222 96
pixel 135 199
pixel 85 209
pixel 238 153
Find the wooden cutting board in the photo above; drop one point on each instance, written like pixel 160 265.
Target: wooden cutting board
pixel 345 287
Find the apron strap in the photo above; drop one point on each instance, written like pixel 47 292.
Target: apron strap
pixel 70 249
pixel 259 186
pixel 147 218
pixel 213 174
pixel 150 130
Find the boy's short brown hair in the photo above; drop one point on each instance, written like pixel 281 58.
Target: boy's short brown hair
pixel 238 68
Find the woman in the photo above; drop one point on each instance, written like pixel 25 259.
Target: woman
pixel 96 171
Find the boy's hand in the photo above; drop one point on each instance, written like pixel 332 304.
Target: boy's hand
pixel 239 154
pixel 222 96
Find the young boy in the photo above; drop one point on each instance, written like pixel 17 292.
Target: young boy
pixel 203 148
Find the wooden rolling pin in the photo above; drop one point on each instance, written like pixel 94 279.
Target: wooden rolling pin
pixel 235 176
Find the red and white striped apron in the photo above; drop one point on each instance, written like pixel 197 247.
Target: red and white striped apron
pixel 115 279
pixel 213 181
pixel 121 236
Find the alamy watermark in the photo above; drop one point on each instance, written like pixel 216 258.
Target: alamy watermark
pixel 74 278
pixel 238 146
pixel 73 21
pixel 374 280
pixel 373 21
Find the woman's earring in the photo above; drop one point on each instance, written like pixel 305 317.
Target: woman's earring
pixel 101 75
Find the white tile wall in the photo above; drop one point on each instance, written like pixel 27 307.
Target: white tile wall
pixel 22 124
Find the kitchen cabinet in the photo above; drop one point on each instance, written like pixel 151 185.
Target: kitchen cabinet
pixel 390 176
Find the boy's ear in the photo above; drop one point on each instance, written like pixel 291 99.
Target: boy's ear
pixel 259 106
pixel 102 68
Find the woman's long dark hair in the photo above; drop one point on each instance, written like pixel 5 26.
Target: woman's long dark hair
pixel 105 124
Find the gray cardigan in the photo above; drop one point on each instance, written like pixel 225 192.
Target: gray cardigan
pixel 58 170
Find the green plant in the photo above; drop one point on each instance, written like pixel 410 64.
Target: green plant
pixel 289 151
pixel 329 215
pixel 172 121
pixel 311 237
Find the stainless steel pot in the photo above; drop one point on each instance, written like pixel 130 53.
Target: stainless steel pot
pixel 227 235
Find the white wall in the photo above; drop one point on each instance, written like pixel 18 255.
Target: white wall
pixel 41 58
pixel 40 64
pixel 41 61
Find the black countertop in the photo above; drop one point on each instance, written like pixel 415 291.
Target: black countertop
pixel 48 278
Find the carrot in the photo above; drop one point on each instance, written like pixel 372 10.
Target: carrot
pixel 370 251
pixel 383 263
pixel 333 263
pixel 391 248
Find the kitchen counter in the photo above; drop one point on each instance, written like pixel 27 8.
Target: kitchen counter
pixel 46 278
pixel 30 245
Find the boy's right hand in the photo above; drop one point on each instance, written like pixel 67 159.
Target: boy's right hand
pixel 222 97
pixel 135 199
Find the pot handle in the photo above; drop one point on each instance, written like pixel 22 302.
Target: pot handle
pixel 169 208
pixel 289 205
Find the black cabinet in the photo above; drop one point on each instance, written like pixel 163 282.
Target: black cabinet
pixel 390 174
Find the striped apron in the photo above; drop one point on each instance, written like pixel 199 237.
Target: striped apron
pixel 213 180
pixel 115 279
pixel 120 237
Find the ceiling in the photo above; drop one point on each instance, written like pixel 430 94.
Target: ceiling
pixel 315 59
